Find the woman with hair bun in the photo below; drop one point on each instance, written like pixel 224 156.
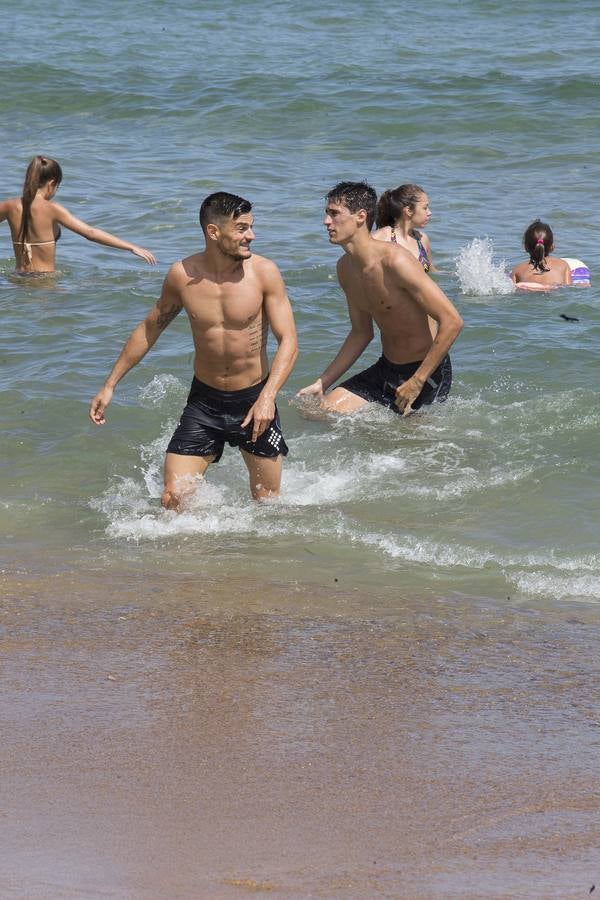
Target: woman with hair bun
pixel 541 272
pixel 35 221
pixel 400 214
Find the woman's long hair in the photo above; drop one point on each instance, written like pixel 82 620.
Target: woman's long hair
pixel 40 171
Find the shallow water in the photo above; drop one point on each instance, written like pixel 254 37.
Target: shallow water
pixel 490 494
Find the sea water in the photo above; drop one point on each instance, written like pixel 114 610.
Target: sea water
pixel 149 108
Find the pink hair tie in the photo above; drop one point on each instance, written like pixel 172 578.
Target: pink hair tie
pixel 539 241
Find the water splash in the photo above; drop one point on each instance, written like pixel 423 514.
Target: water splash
pixel 162 387
pixel 477 272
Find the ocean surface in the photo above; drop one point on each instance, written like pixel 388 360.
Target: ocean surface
pixel 493 109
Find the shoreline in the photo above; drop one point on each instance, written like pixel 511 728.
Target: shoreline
pixel 170 739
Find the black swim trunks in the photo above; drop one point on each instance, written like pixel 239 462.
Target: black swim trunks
pixel 378 383
pixel 212 417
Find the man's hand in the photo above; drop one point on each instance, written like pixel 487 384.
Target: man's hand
pixel 262 414
pixel 407 393
pixel 312 390
pixel 99 404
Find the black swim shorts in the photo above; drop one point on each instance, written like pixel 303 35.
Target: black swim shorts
pixel 378 383
pixel 212 417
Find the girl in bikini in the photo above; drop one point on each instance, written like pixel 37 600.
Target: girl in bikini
pixel 540 272
pixel 35 221
pixel 400 214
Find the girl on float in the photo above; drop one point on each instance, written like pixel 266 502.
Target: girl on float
pixel 35 221
pixel 400 214
pixel 540 272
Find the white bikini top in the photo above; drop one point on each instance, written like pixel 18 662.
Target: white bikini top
pixel 29 244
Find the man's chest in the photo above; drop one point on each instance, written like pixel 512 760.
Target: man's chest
pixel 228 306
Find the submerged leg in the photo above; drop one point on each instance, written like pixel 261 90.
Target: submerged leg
pixel 181 478
pixel 265 475
pixel 342 401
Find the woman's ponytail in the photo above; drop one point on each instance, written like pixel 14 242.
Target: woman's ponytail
pixel 39 172
pixel 538 241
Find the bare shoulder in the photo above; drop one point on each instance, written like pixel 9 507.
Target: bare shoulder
pixel 398 258
pixel 177 277
pixel 383 234
pixel 343 268
pixel 187 268
pixel 266 273
pixel 179 269
pixel 10 206
pixel 263 267
pixel 58 212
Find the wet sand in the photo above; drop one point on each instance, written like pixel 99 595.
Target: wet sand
pixel 165 738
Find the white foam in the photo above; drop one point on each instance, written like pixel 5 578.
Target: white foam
pixel 313 508
pixel 162 387
pixel 413 549
pixel 477 272
pixel 557 587
pixel 321 487
pixel 335 475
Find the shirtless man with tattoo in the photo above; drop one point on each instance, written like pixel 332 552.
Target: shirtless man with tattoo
pixel 231 298
pixel 385 284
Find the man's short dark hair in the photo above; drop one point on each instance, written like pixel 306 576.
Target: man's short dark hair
pixel 355 195
pixel 222 205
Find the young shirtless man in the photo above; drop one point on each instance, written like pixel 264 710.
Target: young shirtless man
pixel 231 298
pixel 384 283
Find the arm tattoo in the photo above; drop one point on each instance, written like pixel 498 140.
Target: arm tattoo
pixel 166 317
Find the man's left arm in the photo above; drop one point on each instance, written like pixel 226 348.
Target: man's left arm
pixel 438 307
pixel 278 310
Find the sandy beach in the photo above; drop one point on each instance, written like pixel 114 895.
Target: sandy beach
pixel 174 739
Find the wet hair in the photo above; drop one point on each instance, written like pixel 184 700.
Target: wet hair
pixel 538 241
pixel 222 205
pixel 39 172
pixel 391 203
pixel 355 195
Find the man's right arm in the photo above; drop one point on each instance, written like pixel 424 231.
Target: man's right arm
pixel 141 339
pixel 431 299
pixel 360 336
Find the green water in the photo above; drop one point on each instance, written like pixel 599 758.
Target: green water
pixel 149 109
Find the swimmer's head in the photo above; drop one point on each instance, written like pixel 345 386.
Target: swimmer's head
pixel 400 201
pixel 538 241
pixel 355 196
pixel 227 220
pixel 41 171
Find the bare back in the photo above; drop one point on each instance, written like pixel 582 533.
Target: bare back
pixel 391 289
pixel 228 319
pixel 38 252
pixel 559 273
